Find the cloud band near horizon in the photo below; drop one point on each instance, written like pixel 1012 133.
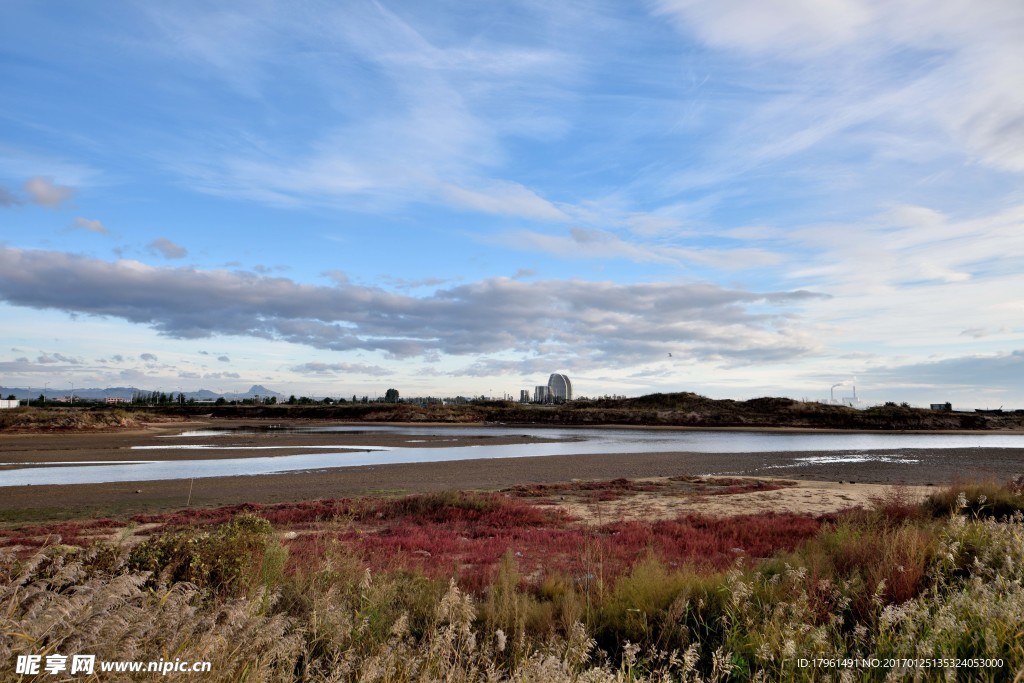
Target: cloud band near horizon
pixel 620 323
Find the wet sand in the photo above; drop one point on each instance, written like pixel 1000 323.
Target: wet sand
pixel 117 446
pixel 23 503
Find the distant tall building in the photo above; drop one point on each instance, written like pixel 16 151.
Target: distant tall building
pixel 524 395
pixel 559 387
pixel 540 394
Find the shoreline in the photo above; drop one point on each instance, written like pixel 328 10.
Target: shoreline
pixel 56 501
pixel 159 427
pixel 887 467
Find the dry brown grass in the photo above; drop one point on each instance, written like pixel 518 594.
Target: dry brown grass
pixel 886 582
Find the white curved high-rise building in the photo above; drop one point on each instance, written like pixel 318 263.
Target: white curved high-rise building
pixel 559 387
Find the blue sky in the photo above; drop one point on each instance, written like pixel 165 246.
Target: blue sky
pixel 737 198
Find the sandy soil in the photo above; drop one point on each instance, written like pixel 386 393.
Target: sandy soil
pixel 804 497
pixel 824 487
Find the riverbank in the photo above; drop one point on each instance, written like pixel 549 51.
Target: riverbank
pixel 244 439
pixel 22 503
pixel 680 409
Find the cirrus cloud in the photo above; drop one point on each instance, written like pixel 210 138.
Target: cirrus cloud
pixel 7 198
pixel 969 81
pixel 334 369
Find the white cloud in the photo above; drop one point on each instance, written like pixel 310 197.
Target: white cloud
pixel 913 244
pixel 231 43
pixel 590 243
pixel 54 358
pixel 338 369
pixel 408 116
pixel 92 225
pixel 795 26
pixel 222 375
pixel 45 192
pixel 982 332
pixel 970 378
pixel 503 198
pixel 966 80
pixel 167 248
pixel 913 282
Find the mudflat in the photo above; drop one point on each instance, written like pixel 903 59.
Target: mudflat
pixel 82 447
pixel 846 480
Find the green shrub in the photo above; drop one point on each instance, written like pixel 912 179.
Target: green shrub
pixel 664 608
pixel 978 499
pixel 233 558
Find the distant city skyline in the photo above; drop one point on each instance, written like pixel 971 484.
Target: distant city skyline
pixel 734 198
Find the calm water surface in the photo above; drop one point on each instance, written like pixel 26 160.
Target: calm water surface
pixel 822 448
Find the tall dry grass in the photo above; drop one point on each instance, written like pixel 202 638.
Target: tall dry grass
pixel 891 583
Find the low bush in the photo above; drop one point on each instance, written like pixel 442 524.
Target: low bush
pixel 851 567
pixel 493 510
pixel 978 499
pixel 661 608
pixel 232 559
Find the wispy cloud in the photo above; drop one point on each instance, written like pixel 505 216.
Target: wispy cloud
pixel 913 284
pixel 505 199
pixel 965 378
pixel 54 358
pixel 590 243
pixel 23 366
pixel 967 86
pixel 339 369
pixel 405 117
pixel 8 199
pixel 790 28
pixel 910 246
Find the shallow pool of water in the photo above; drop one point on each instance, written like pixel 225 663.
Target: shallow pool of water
pixel 844 447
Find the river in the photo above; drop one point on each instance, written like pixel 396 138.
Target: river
pixel 837 447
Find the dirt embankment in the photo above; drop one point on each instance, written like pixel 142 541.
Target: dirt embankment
pixel 21 420
pixel 655 410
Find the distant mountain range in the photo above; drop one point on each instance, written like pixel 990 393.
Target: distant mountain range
pixel 52 393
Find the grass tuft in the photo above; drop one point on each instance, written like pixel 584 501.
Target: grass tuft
pixel 979 499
